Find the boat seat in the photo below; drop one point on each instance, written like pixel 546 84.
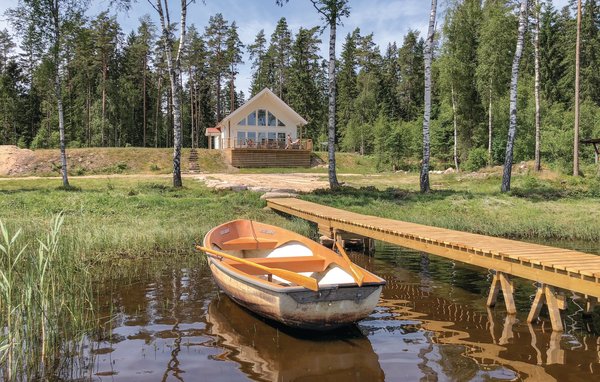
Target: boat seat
pixel 247 242
pixel 294 264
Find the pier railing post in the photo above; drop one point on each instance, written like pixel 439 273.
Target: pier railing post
pixel 501 281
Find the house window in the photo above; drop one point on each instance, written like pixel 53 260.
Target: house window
pixel 242 122
pixel 272 136
pixel 241 138
pixel 280 123
pixel 272 120
pixel 262 138
pixel 251 141
pixel 252 119
pixel 281 137
pixel 262 117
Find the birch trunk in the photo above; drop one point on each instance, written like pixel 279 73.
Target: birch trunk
pixel 577 64
pixel 455 129
pixel 538 137
pixel 144 96
pixel 490 126
pixel 58 91
pixel 158 102
pixel 428 55
pixel 174 67
pixel 512 126
pixel 333 182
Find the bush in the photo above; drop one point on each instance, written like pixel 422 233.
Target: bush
pixel 478 158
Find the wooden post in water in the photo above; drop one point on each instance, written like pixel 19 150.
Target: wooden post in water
pixel 546 294
pixel 502 282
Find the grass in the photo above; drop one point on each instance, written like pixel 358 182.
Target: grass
pixel 537 208
pixel 45 304
pixel 126 219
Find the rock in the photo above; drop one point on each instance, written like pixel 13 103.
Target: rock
pixel 275 195
pixel 230 187
pixel 238 188
pixel 449 170
pixel 260 189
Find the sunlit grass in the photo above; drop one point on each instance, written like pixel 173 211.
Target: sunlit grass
pixel 45 303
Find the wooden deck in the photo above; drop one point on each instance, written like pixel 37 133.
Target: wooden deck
pixel 251 157
pixel 555 269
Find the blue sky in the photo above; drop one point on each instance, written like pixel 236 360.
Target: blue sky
pixel 389 20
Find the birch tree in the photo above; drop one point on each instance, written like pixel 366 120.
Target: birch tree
pixel 332 12
pixel 49 19
pixel 577 69
pixel 512 126
pixel 174 69
pixel 424 178
pixel 536 45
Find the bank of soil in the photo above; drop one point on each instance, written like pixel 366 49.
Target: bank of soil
pixel 106 160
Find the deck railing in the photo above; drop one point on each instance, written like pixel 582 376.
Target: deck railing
pixel 267 144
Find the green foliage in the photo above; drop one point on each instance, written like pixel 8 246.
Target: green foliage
pixel 478 158
pixel 45 300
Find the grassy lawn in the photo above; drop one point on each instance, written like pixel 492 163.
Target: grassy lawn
pixel 128 218
pixel 539 208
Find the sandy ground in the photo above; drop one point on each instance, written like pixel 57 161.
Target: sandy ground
pixel 292 182
pixel 12 159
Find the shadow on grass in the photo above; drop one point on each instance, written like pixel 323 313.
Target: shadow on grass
pixel 364 195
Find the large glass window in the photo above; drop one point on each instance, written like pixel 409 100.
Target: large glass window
pixel 281 137
pixel 262 117
pixel 280 123
pixel 272 136
pixel 251 138
pixel 241 138
pixel 262 138
pixel 242 122
pixel 252 119
pixel 272 120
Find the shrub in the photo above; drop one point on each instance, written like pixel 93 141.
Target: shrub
pixel 477 159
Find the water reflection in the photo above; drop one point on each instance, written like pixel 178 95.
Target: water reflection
pixel 431 324
pixel 274 353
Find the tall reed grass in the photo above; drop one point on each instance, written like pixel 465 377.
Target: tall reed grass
pixel 45 304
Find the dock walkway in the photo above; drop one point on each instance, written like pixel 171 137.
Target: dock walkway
pixel 555 269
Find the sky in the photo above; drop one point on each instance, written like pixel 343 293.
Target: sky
pixel 388 20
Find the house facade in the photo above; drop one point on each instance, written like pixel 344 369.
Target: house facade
pixel 263 132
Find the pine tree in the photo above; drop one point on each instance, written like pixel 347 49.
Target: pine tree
pixel 216 41
pixel 234 58
pixel 280 53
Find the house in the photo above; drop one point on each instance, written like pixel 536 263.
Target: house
pixel 263 132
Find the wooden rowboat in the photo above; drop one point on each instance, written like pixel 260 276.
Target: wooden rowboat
pixel 289 278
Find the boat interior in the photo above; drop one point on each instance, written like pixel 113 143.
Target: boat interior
pixel 278 248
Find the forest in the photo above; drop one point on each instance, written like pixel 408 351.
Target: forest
pixel 116 91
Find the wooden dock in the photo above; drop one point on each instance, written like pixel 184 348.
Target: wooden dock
pixel 556 270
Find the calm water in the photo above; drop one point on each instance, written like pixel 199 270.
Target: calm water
pixel 431 325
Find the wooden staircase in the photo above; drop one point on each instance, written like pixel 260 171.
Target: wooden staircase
pixel 194 161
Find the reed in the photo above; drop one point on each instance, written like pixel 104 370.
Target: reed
pixel 45 304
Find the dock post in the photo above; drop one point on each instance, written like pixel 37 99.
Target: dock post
pixel 502 282
pixel 546 294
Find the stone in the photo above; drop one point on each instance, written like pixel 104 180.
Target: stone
pixel 275 195
pixel 449 170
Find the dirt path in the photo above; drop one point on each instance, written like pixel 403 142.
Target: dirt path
pixel 292 182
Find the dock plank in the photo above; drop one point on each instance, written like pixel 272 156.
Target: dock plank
pixel 567 269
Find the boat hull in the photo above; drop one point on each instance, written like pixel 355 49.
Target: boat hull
pixel 326 309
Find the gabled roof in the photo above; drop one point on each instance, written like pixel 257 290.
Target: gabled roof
pixel 241 111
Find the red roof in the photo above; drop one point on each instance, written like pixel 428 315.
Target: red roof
pixel 213 130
